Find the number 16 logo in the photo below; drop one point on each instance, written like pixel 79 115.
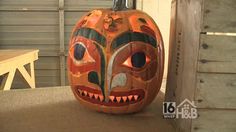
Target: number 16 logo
pixel 169 109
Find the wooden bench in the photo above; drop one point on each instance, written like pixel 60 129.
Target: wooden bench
pixel 11 60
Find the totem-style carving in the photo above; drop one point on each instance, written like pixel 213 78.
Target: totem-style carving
pixel 115 61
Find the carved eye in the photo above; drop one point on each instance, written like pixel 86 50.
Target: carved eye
pixel 137 60
pixel 81 54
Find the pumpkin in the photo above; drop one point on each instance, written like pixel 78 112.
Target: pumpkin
pixel 115 60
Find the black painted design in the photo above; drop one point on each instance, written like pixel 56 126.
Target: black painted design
pixel 91 34
pixel 102 65
pixel 133 36
pixel 79 52
pixel 142 20
pixel 93 77
pixel 138 60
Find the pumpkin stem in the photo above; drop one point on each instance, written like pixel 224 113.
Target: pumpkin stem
pixel 122 4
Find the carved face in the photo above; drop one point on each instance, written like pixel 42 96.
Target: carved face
pixel 115 61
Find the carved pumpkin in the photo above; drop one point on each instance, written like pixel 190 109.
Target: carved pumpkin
pixel 115 61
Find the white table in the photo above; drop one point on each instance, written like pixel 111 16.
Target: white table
pixel 12 60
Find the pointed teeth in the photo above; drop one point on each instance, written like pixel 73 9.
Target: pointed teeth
pixel 101 97
pixel 136 97
pixel 130 97
pixel 124 98
pixel 96 96
pixel 112 98
pixel 118 99
pixel 80 92
pixel 90 95
pixel 85 93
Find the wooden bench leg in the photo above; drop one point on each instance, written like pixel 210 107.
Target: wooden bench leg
pixel 29 78
pixel 7 80
pixel 32 73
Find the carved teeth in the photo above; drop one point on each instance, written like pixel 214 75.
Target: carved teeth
pixel 112 98
pixel 80 92
pixel 124 98
pixel 85 93
pixel 101 97
pixel 130 97
pixel 118 99
pixel 136 97
pixel 96 96
pixel 90 95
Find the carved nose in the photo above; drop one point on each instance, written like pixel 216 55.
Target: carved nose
pixel 113 81
pixel 118 80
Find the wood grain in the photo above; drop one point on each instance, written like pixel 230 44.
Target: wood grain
pixel 217 54
pixel 11 60
pixel 171 76
pixel 215 121
pixel 183 61
pixel 216 91
pixel 219 16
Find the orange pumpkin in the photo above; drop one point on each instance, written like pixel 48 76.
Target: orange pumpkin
pixel 115 61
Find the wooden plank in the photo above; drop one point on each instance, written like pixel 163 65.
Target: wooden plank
pixel 215 121
pixel 44 38
pixel 87 4
pixel 47 73
pixel 40 81
pixel 171 77
pixel 10 59
pixel 28 4
pixel 47 63
pixel 183 63
pixel 187 47
pixel 28 18
pixel 68 28
pixel 33 35
pixel 29 29
pixel 45 50
pixel 26 9
pixel 29 41
pixel 12 55
pixel 217 54
pixel 71 18
pixel 219 16
pixel 48 81
pixel 216 91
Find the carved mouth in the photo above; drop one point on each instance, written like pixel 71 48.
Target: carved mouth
pixel 115 98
